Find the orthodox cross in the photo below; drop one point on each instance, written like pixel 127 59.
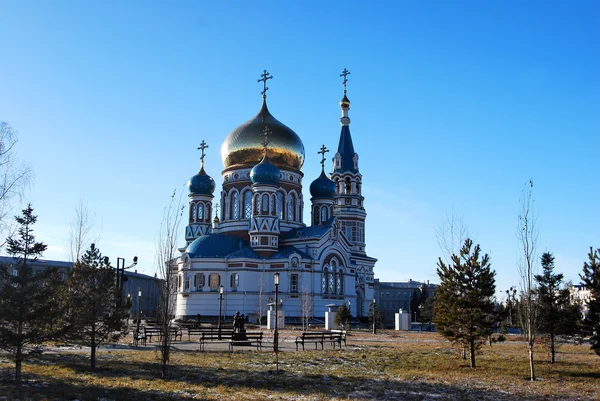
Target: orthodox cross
pixel 202 146
pixel 264 76
pixel 345 74
pixel 265 134
pixel 322 153
pixel 217 209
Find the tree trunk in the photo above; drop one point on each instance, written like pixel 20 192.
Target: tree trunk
pixel 531 367
pixel 472 351
pixel 93 347
pixel 552 348
pixel 18 362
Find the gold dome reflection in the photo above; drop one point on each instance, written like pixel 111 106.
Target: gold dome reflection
pixel 243 146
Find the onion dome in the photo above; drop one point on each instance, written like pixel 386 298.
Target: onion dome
pixel 322 187
pixel 345 102
pixel 215 246
pixel 242 148
pixel 201 184
pixel 265 172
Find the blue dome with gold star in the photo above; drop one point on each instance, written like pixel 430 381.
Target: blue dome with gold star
pixel 265 172
pixel 322 187
pixel 201 184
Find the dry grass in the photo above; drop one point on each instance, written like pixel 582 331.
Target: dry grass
pixel 387 367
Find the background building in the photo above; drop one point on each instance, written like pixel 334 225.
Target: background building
pixel 392 296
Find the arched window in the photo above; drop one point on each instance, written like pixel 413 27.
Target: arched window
pixel 272 205
pixel 200 215
pixel 279 207
pixel 291 207
pixel 192 212
pixel 340 282
pixel 348 186
pixel 332 278
pixel 316 215
pixel 324 216
pixel 247 204
pixel 265 204
pixel 325 280
pixel 235 206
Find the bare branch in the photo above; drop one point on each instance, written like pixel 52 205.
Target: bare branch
pixel 80 232
pixel 451 234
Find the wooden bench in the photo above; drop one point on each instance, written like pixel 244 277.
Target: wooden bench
pixel 319 337
pixel 149 332
pixel 247 339
pixel 225 336
pixel 197 331
pixel 342 335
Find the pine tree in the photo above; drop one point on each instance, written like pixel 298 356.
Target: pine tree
pixel 343 317
pixel 555 316
pixel 464 299
pixel 591 280
pixel 93 314
pixel 29 309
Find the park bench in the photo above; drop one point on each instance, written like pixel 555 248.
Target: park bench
pixel 225 336
pixel 246 339
pixel 342 334
pixel 197 331
pixel 319 337
pixel 174 331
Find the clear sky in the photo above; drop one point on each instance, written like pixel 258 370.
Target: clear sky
pixel 455 106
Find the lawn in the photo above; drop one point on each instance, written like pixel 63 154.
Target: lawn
pixel 388 366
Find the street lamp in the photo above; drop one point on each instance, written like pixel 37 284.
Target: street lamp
pixel 220 309
pixel 276 333
pixel 121 267
pixel 137 330
pixel 374 317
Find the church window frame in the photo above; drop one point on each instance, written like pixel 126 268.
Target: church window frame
pixel 214 281
pixel 348 186
pixel 186 281
pixel 340 281
pixel 294 285
pixel 279 205
pixel 291 207
pixel 234 281
pixel 200 212
pixel 324 214
pixel 325 280
pixel 192 212
pixel 247 204
pixel 332 283
pixel 235 205
pixel 199 281
pixel 264 204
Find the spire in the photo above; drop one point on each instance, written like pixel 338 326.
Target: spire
pixel 345 159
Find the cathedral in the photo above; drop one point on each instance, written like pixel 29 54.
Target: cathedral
pixel 229 261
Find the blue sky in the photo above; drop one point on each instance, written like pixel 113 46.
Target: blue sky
pixel 455 106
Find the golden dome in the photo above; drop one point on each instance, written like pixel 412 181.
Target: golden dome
pixel 243 146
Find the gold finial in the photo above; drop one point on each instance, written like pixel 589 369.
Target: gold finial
pixel 202 146
pixel 264 76
pixel 322 153
pixel 265 135
pixel 345 74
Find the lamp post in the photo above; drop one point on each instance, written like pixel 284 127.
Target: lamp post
pixel 220 309
pixel 121 267
pixel 276 333
pixel 374 316
pixel 137 329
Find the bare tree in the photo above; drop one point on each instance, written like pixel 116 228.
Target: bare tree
pixel 80 232
pixel 166 261
pixel 527 234
pixel 451 234
pixel 261 298
pixel 15 176
pixel 306 305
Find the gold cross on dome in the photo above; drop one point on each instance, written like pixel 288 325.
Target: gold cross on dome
pixel 322 153
pixel 264 76
pixel 345 74
pixel 202 146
